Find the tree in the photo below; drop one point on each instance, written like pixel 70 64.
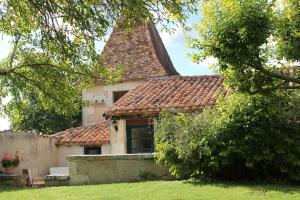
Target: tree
pixel 54 54
pixel 31 115
pixel 253 133
pixel 252 137
pixel 255 42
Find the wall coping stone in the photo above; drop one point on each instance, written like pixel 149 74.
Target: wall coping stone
pixel 146 156
pixel 11 176
pixel 21 133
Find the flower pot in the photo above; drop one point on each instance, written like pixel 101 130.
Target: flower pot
pixel 10 170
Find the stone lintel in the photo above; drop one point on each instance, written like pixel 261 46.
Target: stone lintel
pixel 146 156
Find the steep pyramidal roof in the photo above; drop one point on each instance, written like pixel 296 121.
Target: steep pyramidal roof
pixel 141 50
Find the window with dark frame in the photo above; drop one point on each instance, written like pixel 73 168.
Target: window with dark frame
pixel 92 150
pixel 140 139
pixel 118 94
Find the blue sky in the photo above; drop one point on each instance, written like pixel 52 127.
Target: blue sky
pixel 175 44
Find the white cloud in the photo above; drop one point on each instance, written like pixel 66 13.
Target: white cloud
pixel 4 123
pixel 172 39
pixel 209 61
pixel 5 46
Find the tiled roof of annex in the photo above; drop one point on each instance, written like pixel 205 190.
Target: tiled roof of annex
pixel 85 135
pixel 183 93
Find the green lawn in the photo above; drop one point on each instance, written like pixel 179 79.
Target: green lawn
pixel 155 190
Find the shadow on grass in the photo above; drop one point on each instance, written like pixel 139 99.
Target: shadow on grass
pixel 254 186
pixel 4 188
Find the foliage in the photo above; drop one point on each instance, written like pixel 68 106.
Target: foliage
pixel 255 42
pixel 243 137
pixel 289 30
pixel 31 115
pixel 9 161
pixel 177 140
pixel 54 51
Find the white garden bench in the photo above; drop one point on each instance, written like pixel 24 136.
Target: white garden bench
pixel 59 171
pixel 58 176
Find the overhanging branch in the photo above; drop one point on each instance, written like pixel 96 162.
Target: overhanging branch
pixel 286 78
pixel 276 87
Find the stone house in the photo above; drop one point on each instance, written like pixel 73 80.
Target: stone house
pixel 119 119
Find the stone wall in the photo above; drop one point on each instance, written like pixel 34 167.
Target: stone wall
pixel 16 180
pixel 114 168
pixel 63 151
pixel 38 151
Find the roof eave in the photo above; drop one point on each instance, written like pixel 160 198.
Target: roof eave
pixel 58 143
pixel 147 113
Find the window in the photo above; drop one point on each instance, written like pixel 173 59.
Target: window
pixel 92 150
pixel 117 95
pixel 140 139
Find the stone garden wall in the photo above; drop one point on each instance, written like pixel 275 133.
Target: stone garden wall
pixel 114 168
pixel 38 151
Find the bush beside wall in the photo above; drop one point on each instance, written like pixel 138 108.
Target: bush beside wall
pixel 243 138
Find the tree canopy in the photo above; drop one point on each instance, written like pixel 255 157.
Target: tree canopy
pixel 31 115
pixel 255 42
pixel 253 132
pixel 54 51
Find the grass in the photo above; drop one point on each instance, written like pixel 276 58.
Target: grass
pixel 176 190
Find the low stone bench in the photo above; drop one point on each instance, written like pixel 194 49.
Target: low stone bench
pixel 16 180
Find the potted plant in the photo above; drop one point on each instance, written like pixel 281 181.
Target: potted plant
pixel 10 162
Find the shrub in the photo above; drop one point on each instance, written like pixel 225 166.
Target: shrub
pixel 9 161
pixel 243 137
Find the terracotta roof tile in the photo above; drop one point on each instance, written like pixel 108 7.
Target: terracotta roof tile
pixel 89 134
pixel 141 50
pixel 178 92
